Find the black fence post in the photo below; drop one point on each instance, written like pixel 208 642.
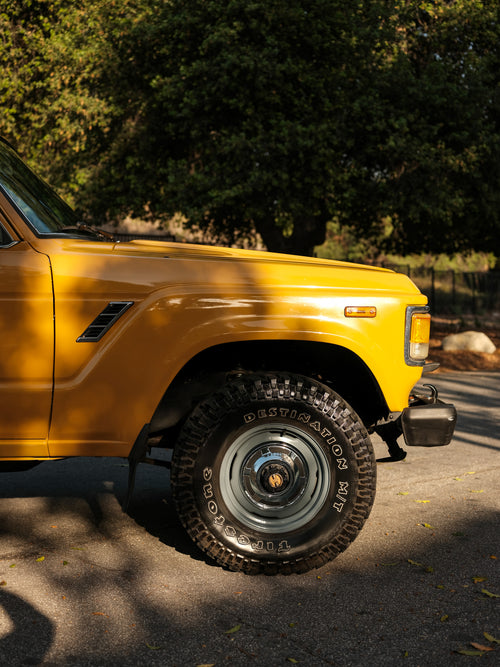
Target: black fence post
pixel 433 290
pixel 453 291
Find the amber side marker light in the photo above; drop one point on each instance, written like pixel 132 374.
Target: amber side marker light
pixel 360 311
pixel 420 334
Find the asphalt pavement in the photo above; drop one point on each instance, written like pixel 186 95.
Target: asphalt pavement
pixel 82 583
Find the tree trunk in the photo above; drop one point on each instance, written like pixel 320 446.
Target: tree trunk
pixel 307 234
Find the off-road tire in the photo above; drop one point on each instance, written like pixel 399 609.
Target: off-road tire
pixel 274 473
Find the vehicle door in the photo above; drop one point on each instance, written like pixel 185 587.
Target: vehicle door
pixel 26 347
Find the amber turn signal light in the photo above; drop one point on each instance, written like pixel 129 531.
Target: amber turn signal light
pixel 420 335
pixel 360 311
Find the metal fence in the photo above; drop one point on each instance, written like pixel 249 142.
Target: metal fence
pixel 456 293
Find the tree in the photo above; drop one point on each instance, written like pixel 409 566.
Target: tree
pixel 428 157
pixel 239 124
pixel 270 116
pixel 64 99
pixel 225 111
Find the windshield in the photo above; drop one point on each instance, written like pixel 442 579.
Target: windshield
pixel 41 206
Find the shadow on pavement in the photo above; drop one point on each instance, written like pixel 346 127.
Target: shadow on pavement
pixel 27 634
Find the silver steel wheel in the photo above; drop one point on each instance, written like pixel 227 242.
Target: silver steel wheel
pixel 275 478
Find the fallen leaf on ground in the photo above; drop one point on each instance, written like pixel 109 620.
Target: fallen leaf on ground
pixel 427 525
pixel 490 595
pixel 481 647
pixel 444 618
pixel 422 501
pixel 153 648
pixel 478 580
pixel 403 493
pixel 490 638
pixel 476 490
pixel 3 583
pixel 99 613
pixel 426 568
pixel 39 560
pixel 233 630
pixel 470 651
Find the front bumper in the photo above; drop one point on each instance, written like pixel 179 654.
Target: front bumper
pixel 428 421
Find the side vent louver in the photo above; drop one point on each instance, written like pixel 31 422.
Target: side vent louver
pixel 104 321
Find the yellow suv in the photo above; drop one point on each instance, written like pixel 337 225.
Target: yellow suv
pixel 264 374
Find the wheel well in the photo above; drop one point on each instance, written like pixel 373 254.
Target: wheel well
pixel 339 368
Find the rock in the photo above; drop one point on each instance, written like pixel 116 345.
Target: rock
pixel 474 341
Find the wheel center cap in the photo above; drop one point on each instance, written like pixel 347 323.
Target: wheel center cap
pixel 274 477
pixel 275 480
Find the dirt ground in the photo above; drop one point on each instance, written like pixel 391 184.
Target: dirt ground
pixel 464 360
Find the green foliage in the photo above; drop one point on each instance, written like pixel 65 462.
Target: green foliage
pixel 428 153
pixel 60 95
pixel 270 116
pixel 239 116
pixel 342 244
pixel 458 262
